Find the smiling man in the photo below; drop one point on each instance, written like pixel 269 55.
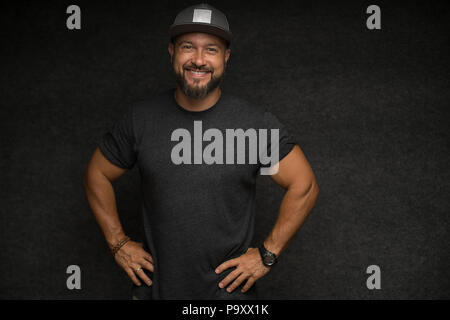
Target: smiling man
pixel 198 216
pixel 194 79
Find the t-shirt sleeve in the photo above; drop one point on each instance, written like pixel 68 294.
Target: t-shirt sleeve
pixel 286 141
pixel 118 144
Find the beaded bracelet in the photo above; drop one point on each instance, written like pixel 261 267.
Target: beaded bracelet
pixel 119 245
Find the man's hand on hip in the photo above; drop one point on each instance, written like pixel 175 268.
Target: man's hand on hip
pixel 249 267
pixel 132 258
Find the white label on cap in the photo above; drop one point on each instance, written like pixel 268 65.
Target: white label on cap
pixel 202 15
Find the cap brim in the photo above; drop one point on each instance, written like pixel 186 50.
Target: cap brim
pixel 198 27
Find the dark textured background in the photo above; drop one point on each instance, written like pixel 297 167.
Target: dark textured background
pixel 369 108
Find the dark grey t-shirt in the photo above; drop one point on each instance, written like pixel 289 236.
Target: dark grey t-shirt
pixel 195 216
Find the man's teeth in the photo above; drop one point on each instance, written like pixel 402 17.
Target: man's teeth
pixel 198 72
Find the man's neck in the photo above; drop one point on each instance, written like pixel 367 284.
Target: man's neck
pixel 192 104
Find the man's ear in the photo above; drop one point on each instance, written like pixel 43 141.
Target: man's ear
pixel 227 54
pixel 171 49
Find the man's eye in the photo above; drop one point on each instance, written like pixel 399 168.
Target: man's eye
pixel 212 49
pixel 186 46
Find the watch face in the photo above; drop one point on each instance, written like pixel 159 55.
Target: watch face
pixel 269 260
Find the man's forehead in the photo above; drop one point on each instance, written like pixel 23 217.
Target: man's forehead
pixel 199 38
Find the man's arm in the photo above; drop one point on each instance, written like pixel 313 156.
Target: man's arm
pixel 296 176
pixel 97 183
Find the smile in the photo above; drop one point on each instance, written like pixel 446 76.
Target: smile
pixel 198 74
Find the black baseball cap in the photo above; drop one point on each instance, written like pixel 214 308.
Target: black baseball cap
pixel 201 18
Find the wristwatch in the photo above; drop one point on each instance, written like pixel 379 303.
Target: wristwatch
pixel 268 258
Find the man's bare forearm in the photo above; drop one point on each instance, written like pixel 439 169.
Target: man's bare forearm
pixel 295 207
pixel 100 194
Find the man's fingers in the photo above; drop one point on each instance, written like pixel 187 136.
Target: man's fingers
pixel 236 283
pixel 248 285
pixel 226 265
pixel 139 272
pixel 233 275
pixel 148 257
pixel 132 276
pixel 147 265
pixel 144 277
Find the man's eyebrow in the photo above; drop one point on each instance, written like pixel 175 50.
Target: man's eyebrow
pixel 208 45
pixel 185 41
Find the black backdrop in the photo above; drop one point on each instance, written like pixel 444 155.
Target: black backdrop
pixel 369 108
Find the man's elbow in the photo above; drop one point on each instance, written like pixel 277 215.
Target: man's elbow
pixel 308 191
pixel 315 189
pixel 315 186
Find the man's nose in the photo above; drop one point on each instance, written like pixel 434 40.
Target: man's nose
pixel 199 58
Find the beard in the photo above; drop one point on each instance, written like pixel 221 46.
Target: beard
pixel 194 91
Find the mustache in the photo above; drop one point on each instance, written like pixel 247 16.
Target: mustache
pixel 195 68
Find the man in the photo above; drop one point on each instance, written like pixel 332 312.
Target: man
pixel 198 202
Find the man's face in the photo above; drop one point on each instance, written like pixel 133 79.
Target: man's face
pixel 198 63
